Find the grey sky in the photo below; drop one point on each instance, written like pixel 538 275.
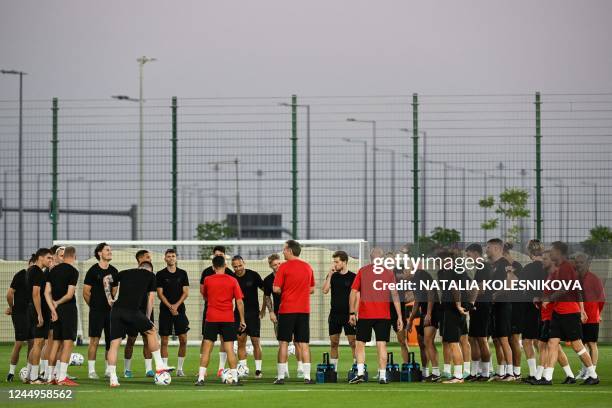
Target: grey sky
pixel 85 49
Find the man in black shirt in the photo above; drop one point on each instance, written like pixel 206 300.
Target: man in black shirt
pixel 250 283
pixel 99 310
pixel 218 250
pixel 39 322
pixel 271 300
pixel 16 296
pixel 479 330
pixel 339 280
pixel 135 286
pixel 59 295
pixel 502 312
pixel 142 255
pixel 172 290
pixel 427 305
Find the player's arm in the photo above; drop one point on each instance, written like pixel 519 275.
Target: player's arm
pixel 240 307
pixel 107 281
pixel 87 293
pixel 69 295
pixel 49 300
pixel 184 296
pixel 150 303
pixel 398 309
pixel 276 289
pixel 353 302
pixel 10 299
pixel 162 298
pixel 327 283
pixel 36 299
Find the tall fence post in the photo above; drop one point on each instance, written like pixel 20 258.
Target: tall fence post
pixel 54 142
pixel 538 163
pixel 415 167
pixel 294 188
pixel 174 171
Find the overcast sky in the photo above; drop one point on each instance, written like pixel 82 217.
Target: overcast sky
pixel 88 49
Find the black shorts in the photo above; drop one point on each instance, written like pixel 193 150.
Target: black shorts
pixel 590 332
pixel 169 324
pixel 294 326
pixel 39 332
pixel 531 322
pixel 502 320
pixel 21 326
pixel 464 325
pixel 131 332
pixel 382 329
pixel 451 325
pixel 100 321
pixel 337 322
pixel 253 326
pixel 517 317
pixel 212 330
pixel 480 317
pixel 394 316
pixel 566 327
pixel 65 327
pixel 128 322
pixel 544 330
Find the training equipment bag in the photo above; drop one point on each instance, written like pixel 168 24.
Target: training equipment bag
pixel 326 372
pixel 393 370
pixel 411 371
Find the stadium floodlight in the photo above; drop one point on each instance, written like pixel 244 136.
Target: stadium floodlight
pixel 20 156
pixel 373 123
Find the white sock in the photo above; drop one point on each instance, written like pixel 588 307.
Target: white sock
pixel 63 370
pixel 149 363
pixel 257 365
pixel 33 372
pixel 91 364
pixel 165 360
pixel 12 368
pixel 382 374
pixel 202 374
pixel 539 372
pixel 426 372
pixel 475 369
pixel 127 364
pixel 501 370
pixel 568 371
pixel 280 370
pixel 531 362
pixel 435 371
pixel 300 366
pixel 50 373
pixel 334 361
pixel 447 368
pixel 234 373
pixel 43 365
pixel 484 368
pixel 306 370
pixel 360 368
pixel 112 372
pixel 222 359
pixel 548 374
pixel 458 373
pixel 179 363
pixel 509 369
pixel 517 371
pixel 590 371
pixel 242 363
pixel 466 367
pixel 286 370
pixel 57 362
pixel 29 368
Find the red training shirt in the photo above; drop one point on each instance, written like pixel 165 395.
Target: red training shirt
pixel 373 303
pixel 594 297
pixel 220 290
pixel 295 278
pixel 568 303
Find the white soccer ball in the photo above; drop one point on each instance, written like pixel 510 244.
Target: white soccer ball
pixel 76 359
pixel 163 378
pixel 23 374
pixel 226 376
pixel 249 349
pixel 243 371
pixel 291 349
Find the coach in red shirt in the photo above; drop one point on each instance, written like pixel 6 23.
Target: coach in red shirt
pixel 294 281
pixel 594 301
pixel 568 312
pixel 371 288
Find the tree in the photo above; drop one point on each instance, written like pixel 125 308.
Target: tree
pixel 512 204
pixel 212 231
pixel 439 238
pixel 599 242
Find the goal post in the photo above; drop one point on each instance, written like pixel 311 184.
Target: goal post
pixel 194 257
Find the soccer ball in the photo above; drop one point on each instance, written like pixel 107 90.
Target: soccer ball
pixel 226 376
pixel 291 349
pixel 76 359
pixel 163 378
pixel 243 371
pixel 23 374
pixel 249 349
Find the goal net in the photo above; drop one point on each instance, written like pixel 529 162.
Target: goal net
pixel 195 256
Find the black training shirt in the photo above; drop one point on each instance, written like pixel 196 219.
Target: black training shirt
pixel 60 278
pixel 93 278
pixel 249 283
pixel 340 291
pixel 268 282
pixel 172 284
pixel 20 297
pixel 134 288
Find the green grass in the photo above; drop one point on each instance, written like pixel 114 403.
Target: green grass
pixel 140 391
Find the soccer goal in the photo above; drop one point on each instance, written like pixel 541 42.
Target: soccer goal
pixel 195 256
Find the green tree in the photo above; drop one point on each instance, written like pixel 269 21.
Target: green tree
pixel 511 204
pixel 599 242
pixel 212 231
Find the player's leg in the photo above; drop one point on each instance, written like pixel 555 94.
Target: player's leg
pixel 92 350
pixel 222 356
pixel 466 352
pixel 54 355
pixel 429 335
pixel 112 361
pixel 515 347
pixel 401 339
pixel 182 353
pixel 128 352
pixel 504 344
pixel 301 336
pixel 485 357
pixel 206 348
pixel 67 347
pixel 286 324
pixel 14 360
pixel 257 355
pixel 334 345
pixel 352 345
pixel 476 359
pixel 164 340
pixel 382 330
pixel 146 354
